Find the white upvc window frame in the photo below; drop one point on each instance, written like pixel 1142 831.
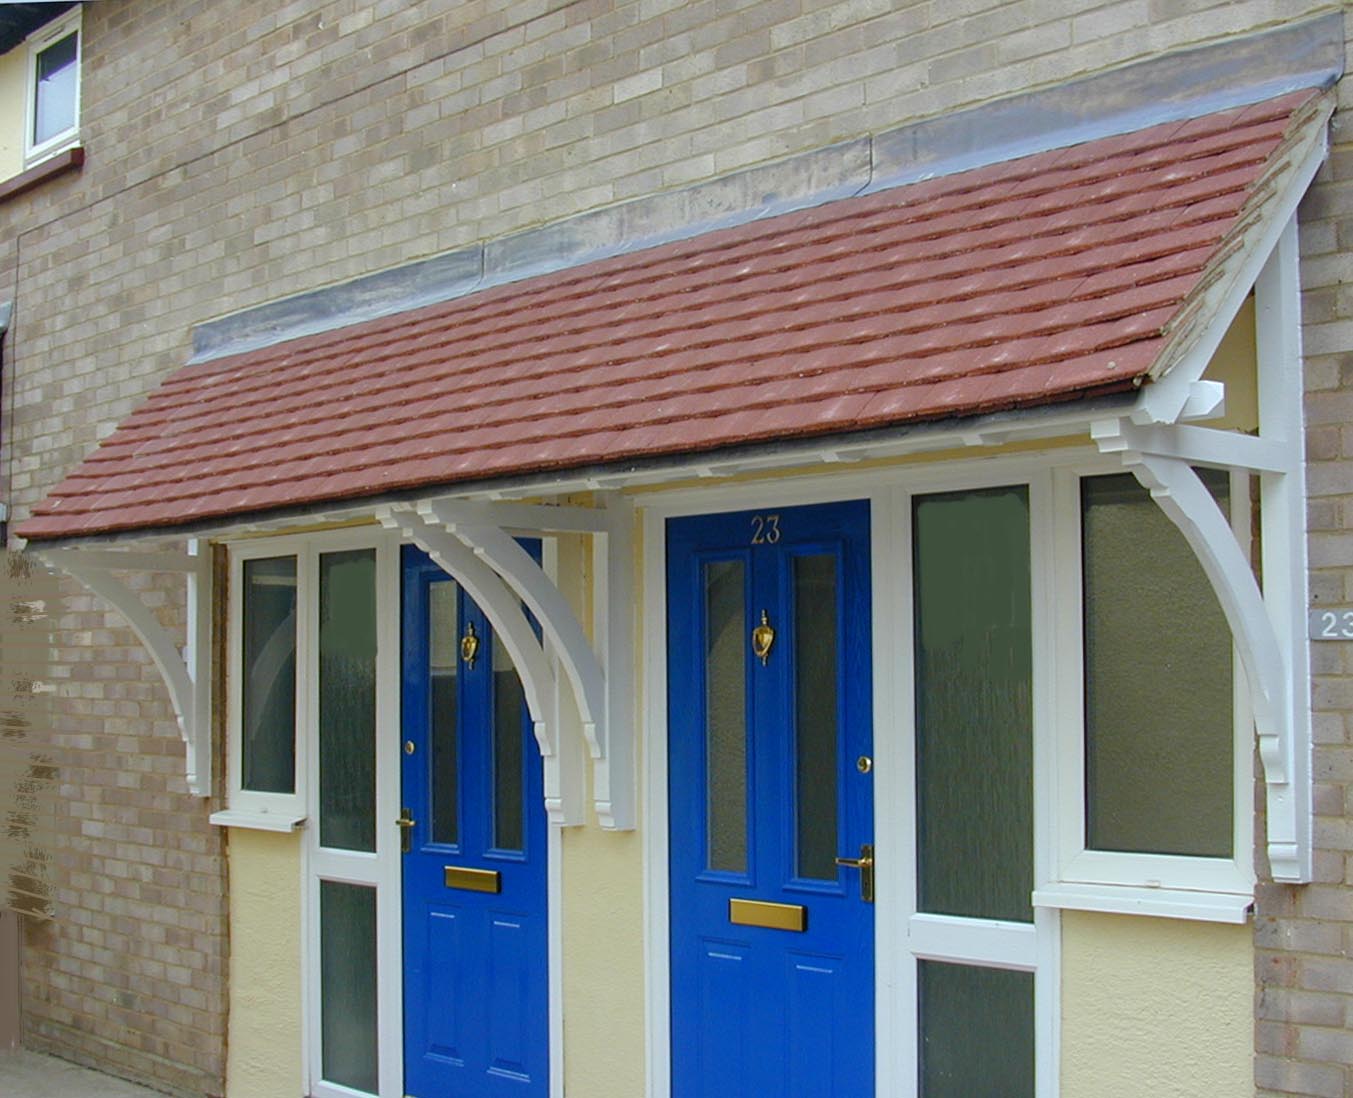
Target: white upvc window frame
pixel 1066 875
pixel 1030 947
pixel 1082 878
pixel 40 40
pixel 255 808
pixel 378 870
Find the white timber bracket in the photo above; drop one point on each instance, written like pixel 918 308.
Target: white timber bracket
pixel 187 671
pixel 1268 624
pixel 476 544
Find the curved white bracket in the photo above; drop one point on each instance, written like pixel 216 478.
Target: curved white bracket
pixel 187 673
pixel 500 606
pixel 483 528
pixel 1268 625
pixel 1184 498
pixel 520 572
pixel 509 621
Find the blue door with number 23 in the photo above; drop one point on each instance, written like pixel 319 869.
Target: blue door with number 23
pixel 476 980
pixel 771 804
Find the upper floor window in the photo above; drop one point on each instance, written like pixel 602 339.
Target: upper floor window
pixel 53 115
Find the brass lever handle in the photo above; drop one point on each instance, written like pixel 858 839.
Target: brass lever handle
pixel 405 824
pixel 865 864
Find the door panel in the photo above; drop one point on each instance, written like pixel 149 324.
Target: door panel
pixel 475 962
pixel 769 711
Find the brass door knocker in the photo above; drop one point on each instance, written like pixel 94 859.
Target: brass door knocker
pixel 763 636
pixel 469 645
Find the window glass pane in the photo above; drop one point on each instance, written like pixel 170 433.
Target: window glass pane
pixel 54 110
pixel 347 948
pixel 974 727
pixel 347 700
pixel 1159 724
pixel 726 714
pixel 268 702
pixel 509 720
pixel 977 1032
pixel 444 656
pixel 815 674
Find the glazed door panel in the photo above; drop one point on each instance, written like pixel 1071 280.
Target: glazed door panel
pixel 475 923
pixel 770 783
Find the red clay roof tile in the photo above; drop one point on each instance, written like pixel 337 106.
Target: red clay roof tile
pixel 1039 280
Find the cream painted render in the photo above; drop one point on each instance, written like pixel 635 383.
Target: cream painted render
pixel 13 108
pixel 1159 1007
pixel 264 1036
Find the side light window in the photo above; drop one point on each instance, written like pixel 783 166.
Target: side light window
pixel 53 88
pixel 268 676
pixel 1159 715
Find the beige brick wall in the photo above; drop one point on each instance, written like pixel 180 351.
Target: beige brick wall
pixel 243 151
pixel 1304 1012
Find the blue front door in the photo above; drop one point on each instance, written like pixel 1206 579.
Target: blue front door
pixel 770 785
pixel 475 925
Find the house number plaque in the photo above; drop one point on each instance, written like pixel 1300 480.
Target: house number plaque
pixel 1332 623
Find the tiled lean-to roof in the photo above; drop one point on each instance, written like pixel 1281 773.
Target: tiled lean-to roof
pixel 1058 276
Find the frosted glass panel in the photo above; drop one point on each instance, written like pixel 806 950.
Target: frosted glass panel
pixel 977 1032
pixel 815 715
pixel 268 747
pixel 347 946
pixel 726 714
pixel 57 70
pixel 509 716
pixel 347 700
pixel 1159 724
pixel 444 656
pixel 974 729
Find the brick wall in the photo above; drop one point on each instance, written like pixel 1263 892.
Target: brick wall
pixel 1304 1011
pixel 240 152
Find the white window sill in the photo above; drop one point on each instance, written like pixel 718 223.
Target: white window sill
pixel 258 821
pixel 1169 903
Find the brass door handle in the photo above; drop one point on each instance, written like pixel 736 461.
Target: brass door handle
pixel 405 824
pixel 865 864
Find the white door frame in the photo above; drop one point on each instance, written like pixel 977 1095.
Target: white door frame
pixel 888 493
pixel 386 866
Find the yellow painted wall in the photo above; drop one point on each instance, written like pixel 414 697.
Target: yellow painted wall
pixel 13 70
pixel 603 924
pixel 1159 1007
pixel 264 1042
pixel 603 963
pixel 1234 364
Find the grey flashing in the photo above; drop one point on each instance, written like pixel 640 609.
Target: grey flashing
pixel 768 190
pixel 1177 86
pixel 452 274
pixel 1181 85
pixel 811 179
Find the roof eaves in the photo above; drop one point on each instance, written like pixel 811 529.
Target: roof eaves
pixel 1041 423
pixel 1196 330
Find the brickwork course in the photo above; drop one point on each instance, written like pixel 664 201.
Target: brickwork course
pixel 242 152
